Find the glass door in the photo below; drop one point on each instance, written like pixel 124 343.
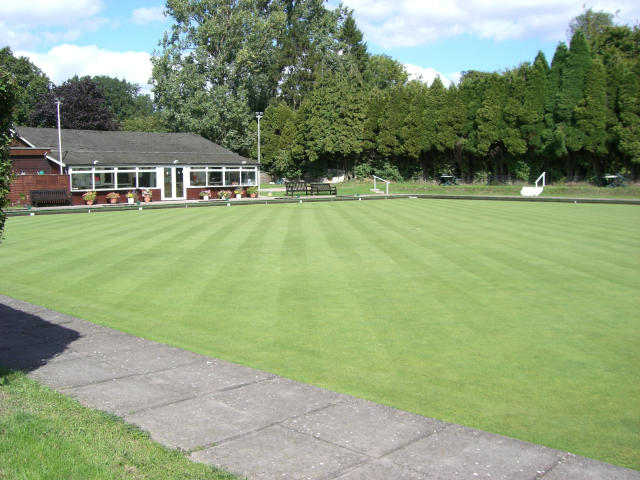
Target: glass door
pixel 173 183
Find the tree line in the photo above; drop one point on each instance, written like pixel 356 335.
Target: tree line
pixel 329 103
pixel 92 103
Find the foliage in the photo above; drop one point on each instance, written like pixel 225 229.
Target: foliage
pixel 8 99
pixel 330 104
pixel 89 196
pixel 205 193
pixel 146 193
pixel 31 83
pixel 83 106
pixel 124 98
pixel 113 195
pixel 145 123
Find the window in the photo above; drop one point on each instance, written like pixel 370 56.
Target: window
pixel 126 179
pixel 81 181
pixel 198 177
pixel 104 179
pixel 215 178
pixel 147 178
pixel 232 177
pixel 248 177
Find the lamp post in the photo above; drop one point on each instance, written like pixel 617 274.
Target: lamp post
pixel 59 134
pixel 259 115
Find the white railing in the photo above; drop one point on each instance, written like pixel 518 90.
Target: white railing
pixel 375 188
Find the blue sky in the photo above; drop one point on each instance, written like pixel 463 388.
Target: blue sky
pixel 117 38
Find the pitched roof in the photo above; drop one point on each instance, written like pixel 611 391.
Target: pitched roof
pixel 83 147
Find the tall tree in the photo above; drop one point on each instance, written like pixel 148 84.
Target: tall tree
pixel 124 98
pixel 30 83
pixel 332 128
pixel 8 98
pixel 83 107
pixel 591 24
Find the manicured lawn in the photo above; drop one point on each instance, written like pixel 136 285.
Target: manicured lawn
pixel 516 318
pixel 45 435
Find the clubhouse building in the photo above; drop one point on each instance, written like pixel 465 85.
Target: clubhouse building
pixel 173 166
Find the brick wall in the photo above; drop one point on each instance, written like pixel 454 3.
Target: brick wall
pixel 25 183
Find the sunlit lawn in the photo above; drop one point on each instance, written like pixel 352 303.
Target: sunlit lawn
pixel 516 318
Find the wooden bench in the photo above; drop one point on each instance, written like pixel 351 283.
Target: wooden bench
pixel 318 188
pixel 50 197
pixel 295 187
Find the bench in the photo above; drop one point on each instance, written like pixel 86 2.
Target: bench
pixel 294 187
pixel 50 197
pixel 318 188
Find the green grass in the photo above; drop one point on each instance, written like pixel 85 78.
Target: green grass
pixel 516 318
pixel 45 435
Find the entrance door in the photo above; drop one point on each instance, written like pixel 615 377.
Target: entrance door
pixel 173 185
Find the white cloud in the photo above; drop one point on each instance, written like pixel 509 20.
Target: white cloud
pixel 428 75
pixel 64 61
pixel 143 16
pixel 409 23
pixel 26 24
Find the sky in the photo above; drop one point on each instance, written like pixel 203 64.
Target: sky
pixel 431 37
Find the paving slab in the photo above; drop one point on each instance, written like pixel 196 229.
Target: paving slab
pixel 146 357
pixel 76 372
pixel 365 426
pixel 278 399
pixel 381 469
pixel 277 452
pixel 461 453
pixel 31 357
pixel 573 467
pixel 128 394
pixel 195 422
pixel 211 375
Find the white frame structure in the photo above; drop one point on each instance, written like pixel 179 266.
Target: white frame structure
pixel 247 177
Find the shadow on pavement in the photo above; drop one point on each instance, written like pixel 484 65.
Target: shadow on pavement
pixel 28 341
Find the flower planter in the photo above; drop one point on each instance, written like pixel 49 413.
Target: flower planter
pixel 147 199
pixel 130 200
pixel 206 197
pixel 113 200
pixel 89 202
pixel 238 195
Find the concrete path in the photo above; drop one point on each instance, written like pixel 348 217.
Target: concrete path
pixel 257 424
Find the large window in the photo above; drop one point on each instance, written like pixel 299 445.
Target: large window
pixel 215 178
pixel 147 178
pixel 112 178
pixel 198 177
pixel 248 176
pixel 129 178
pixel 126 178
pixel 232 177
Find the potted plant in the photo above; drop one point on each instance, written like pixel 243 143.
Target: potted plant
pixel 252 192
pixel 113 197
pixel 90 196
pixel 205 194
pixel 146 194
pixel 238 192
pixel 130 197
pixel 223 194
